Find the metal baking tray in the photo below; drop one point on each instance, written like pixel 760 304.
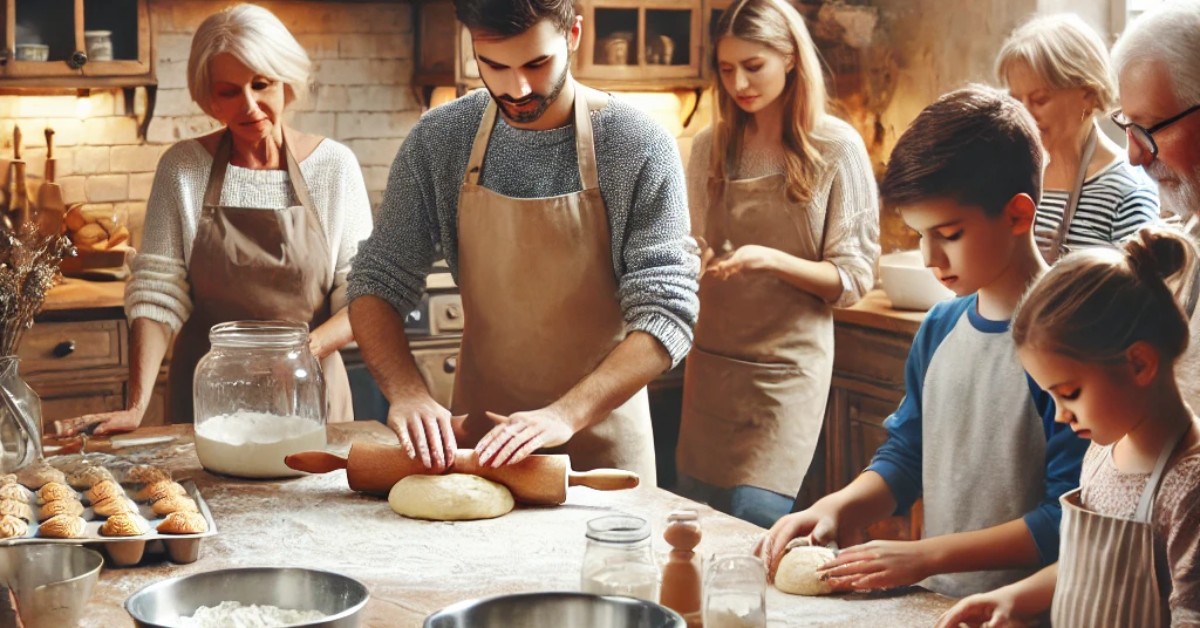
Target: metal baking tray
pixel 125 551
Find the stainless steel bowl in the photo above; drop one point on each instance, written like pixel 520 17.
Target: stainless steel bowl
pixel 341 599
pixel 555 610
pixel 53 582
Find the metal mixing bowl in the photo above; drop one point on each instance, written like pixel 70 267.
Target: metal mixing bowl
pixel 341 599
pixel 555 610
pixel 53 582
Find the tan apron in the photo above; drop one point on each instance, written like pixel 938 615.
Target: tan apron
pixel 256 264
pixel 758 376
pixel 540 305
pixel 1106 567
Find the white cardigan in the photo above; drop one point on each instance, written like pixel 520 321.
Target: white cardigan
pixel 159 289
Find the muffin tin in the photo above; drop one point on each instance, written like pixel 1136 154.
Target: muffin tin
pixel 129 550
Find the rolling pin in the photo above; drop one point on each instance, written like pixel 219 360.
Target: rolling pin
pixel 538 479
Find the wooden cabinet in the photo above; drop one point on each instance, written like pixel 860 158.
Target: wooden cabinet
pixel 65 27
pixel 871 348
pixel 626 45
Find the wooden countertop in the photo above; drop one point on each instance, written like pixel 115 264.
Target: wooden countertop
pixel 875 311
pixel 414 568
pixel 78 294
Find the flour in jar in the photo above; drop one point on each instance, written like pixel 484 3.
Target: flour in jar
pixel 254 444
pixel 234 615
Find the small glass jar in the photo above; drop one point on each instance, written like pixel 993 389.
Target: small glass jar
pixel 259 396
pixel 99 45
pixel 619 560
pixel 735 593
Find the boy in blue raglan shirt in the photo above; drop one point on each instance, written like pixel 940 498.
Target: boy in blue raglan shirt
pixel 974 434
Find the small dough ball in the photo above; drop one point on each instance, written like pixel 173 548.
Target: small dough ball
pixel 797 573
pixel 453 497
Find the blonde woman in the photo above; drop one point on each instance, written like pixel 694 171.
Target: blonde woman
pixel 1057 66
pixel 253 221
pixel 785 209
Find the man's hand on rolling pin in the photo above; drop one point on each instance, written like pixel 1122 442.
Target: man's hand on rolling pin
pixel 426 431
pixel 820 527
pixel 518 435
pixel 104 423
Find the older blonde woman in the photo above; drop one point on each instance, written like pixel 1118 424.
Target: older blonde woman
pixel 1057 66
pixel 208 256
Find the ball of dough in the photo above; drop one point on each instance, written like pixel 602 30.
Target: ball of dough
pixel 453 497
pixel 797 573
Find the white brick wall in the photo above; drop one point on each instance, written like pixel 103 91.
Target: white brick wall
pixel 362 56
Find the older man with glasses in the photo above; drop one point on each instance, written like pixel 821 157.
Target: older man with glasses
pixel 1157 61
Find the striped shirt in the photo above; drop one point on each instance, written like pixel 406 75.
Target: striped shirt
pixel 1114 204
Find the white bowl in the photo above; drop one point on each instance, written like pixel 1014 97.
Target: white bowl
pixel 909 284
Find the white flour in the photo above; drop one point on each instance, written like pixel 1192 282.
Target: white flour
pixel 254 444
pixel 234 615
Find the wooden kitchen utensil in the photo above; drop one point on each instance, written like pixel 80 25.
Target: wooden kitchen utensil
pixel 18 200
pixel 50 201
pixel 538 480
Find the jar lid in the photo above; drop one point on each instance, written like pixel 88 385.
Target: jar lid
pixel 618 529
pixel 97 33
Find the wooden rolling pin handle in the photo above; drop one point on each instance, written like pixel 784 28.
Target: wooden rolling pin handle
pixel 315 462
pixel 604 479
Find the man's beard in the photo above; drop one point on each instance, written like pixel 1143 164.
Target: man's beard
pixel 507 104
pixel 1181 195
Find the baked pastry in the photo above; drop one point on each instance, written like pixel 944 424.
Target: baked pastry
pixel 103 491
pixel 17 509
pixel 8 478
pixel 112 506
pixel 12 527
pixel 16 493
pixel 146 474
pixel 39 474
pixel 54 491
pixel 175 503
pixel 183 523
pixel 125 524
pixel 60 507
pixel 63 527
pixel 160 490
pixel 90 476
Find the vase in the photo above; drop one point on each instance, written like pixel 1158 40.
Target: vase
pixel 20 419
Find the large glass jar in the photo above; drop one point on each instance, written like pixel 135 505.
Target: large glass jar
pixel 619 559
pixel 259 396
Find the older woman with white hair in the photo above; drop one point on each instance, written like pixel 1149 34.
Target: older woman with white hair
pixel 208 255
pixel 1057 66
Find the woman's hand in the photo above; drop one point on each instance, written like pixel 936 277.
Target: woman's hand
pixel 749 258
pixel 879 565
pixel 103 423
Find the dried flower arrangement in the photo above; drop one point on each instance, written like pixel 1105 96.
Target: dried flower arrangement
pixel 29 262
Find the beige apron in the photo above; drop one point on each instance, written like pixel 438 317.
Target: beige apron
pixel 758 376
pixel 256 264
pixel 1106 567
pixel 540 305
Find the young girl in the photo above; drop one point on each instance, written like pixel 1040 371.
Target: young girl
pixel 1101 332
pixel 782 196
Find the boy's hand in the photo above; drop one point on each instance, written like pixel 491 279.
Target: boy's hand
pixel 821 527
pixel 993 609
pixel 879 565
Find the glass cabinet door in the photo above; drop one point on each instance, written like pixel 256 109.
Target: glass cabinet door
pixel 116 36
pixel 40 38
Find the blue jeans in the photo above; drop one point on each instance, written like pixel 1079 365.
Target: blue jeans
pixel 748 503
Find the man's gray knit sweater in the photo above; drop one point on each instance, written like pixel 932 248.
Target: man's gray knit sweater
pixel 641 180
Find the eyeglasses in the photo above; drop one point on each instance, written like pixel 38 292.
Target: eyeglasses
pixel 1145 136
